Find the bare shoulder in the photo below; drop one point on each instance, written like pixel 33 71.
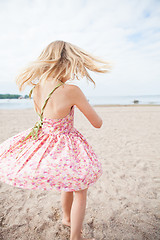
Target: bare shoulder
pixel 35 90
pixel 74 91
pixel 72 88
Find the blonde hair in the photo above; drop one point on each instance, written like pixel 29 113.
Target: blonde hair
pixel 58 60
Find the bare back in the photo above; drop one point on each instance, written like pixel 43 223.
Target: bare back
pixel 58 105
pixel 62 99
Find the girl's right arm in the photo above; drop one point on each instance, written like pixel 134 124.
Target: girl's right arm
pixel 80 100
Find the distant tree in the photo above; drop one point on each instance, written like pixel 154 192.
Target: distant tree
pixel 9 96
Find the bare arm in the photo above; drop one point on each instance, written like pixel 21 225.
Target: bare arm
pixel 80 100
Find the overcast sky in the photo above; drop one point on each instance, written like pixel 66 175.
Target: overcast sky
pixel 125 32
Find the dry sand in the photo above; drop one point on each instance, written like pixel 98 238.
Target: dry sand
pixel 123 204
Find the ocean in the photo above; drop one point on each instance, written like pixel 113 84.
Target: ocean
pixel 97 100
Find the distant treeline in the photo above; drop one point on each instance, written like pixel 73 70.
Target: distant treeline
pixel 12 96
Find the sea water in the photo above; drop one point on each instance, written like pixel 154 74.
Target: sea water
pixel 16 103
pixel 97 100
pixel 125 100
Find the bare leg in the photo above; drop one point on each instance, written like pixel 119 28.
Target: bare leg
pixel 77 214
pixel 66 202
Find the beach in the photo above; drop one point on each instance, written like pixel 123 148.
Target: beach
pixel 125 201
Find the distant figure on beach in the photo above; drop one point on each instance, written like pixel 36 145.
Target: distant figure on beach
pixel 135 101
pixel 53 154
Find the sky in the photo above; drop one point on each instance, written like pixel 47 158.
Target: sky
pixel 126 33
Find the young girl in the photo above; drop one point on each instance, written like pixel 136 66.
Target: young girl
pixel 53 154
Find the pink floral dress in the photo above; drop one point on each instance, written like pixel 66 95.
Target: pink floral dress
pixel 51 155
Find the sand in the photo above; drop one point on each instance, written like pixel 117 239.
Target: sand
pixel 123 204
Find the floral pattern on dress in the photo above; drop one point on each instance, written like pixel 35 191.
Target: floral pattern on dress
pixel 60 158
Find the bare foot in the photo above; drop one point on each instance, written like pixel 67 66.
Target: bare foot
pixel 68 224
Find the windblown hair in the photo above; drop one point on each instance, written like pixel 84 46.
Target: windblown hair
pixel 59 60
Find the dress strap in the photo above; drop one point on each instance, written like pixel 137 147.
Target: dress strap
pixel 38 125
pixel 42 110
pixel 30 93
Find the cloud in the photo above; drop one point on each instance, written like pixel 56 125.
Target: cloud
pixel 125 32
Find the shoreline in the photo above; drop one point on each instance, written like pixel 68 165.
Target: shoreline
pixel 93 105
pixel 126 105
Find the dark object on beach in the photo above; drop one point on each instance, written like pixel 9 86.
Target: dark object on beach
pixel 136 101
